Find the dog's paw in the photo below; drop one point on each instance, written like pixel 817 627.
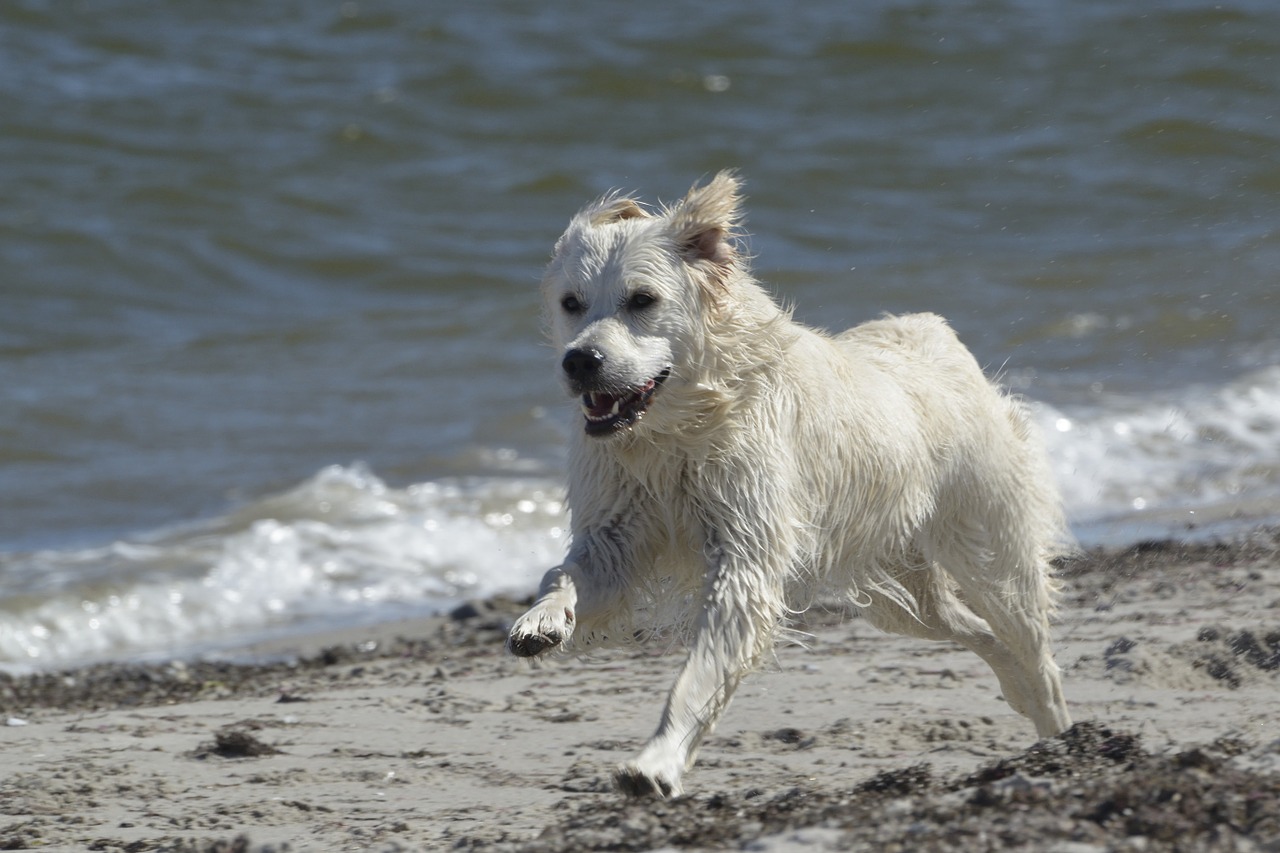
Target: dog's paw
pixel 635 781
pixel 531 645
pixel 538 630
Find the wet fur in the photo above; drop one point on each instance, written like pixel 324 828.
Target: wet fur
pixel 776 463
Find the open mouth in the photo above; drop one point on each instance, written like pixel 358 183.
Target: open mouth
pixel 607 413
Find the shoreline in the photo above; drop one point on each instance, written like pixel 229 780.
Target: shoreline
pixel 422 735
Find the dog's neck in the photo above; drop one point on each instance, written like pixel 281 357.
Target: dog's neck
pixel 746 332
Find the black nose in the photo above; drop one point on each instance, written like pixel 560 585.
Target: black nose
pixel 582 364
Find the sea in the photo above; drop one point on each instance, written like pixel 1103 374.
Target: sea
pixel 271 356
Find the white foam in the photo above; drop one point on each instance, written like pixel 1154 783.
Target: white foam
pixel 342 546
pixel 1123 454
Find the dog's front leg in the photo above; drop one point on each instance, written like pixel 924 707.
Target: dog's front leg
pixel 742 609
pixel 590 584
pixel 549 622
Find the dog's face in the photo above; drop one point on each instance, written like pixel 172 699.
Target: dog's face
pixel 626 293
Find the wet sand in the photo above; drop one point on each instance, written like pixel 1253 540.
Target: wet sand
pixel 424 736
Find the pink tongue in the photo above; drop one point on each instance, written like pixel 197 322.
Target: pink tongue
pixel 602 405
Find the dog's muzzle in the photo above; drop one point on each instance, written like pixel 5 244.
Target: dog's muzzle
pixel 606 409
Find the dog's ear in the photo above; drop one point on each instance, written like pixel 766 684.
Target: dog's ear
pixel 614 208
pixel 704 221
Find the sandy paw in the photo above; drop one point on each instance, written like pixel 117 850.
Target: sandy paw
pixel 633 781
pixel 539 630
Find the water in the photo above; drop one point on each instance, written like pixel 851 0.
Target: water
pixel 269 355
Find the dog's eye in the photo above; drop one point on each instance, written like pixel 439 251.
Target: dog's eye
pixel 571 304
pixel 641 300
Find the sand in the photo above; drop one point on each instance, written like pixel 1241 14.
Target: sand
pixel 424 736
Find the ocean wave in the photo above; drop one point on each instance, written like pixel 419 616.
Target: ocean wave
pixel 341 548
pixel 345 548
pixel 1124 455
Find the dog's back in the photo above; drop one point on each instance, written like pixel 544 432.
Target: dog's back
pixel 947 429
pixel 968 488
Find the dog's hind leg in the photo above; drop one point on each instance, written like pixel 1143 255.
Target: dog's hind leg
pixel 1024 661
pixel 939 615
pixel 942 616
pixel 740 613
pixel 1007 584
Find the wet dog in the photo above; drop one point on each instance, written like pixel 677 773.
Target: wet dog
pixel 730 465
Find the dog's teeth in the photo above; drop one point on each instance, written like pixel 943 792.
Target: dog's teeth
pixel 617 404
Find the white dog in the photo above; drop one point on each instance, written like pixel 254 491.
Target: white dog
pixel 732 464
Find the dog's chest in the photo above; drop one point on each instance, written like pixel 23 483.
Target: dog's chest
pixel 663 475
pixel 673 491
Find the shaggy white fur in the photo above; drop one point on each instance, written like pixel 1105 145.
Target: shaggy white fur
pixel 733 464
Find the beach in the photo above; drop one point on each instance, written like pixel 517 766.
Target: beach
pixel 424 735
pixel 283 446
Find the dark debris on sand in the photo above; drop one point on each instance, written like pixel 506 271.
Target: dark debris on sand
pixel 1092 787
pixel 1167 557
pixel 236 741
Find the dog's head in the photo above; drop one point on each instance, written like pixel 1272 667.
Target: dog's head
pixel 626 293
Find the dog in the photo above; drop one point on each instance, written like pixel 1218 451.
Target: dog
pixel 731 464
